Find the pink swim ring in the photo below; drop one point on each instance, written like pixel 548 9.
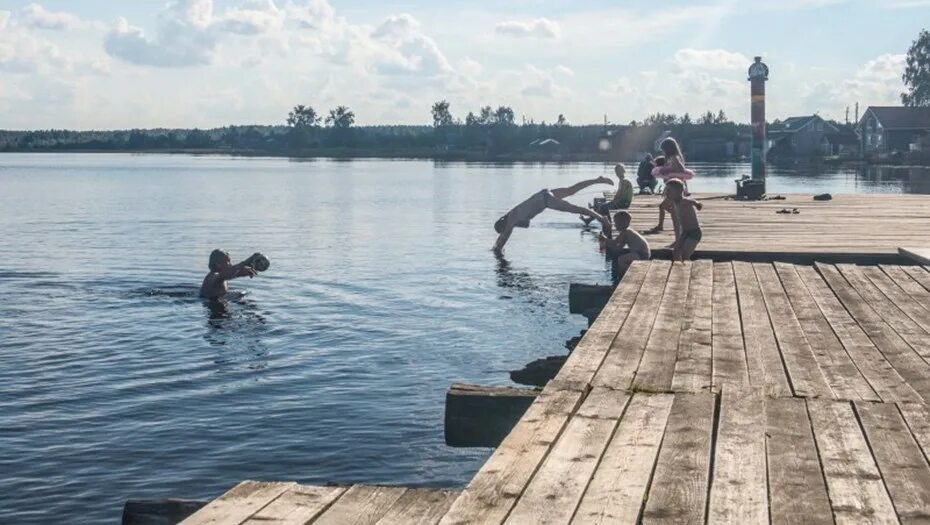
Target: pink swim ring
pixel 666 173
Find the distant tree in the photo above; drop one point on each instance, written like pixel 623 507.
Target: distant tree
pixel 486 116
pixel 660 119
pixel 685 120
pixel 441 115
pixel 561 121
pixel 916 75
pixel 707 118
pixel 302 116
pixel 471 119
pixel 504 116
pixel 721 118
pixel 340 118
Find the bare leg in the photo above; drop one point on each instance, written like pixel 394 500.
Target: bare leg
pixel 561 193
pixel 562 205
pixel 686 249
pixel 624 262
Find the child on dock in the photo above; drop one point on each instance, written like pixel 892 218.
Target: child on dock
pixel 521 214
pixel 685 210
pixel 637 249
pixel 222 270
pixel 624 196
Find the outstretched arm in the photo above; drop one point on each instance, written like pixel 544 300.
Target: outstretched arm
pixel 242 269
pixel 502 238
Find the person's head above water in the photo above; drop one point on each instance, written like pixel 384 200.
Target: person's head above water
pixel 670 147
pixel 219 260
pixel 620 171
pixel 675 189
pixel 660 160
pixel 622 220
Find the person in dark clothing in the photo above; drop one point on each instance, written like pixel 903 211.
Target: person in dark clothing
pixel 644 179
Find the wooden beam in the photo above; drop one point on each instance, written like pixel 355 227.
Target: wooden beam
pixel 482 416
pixel 159 511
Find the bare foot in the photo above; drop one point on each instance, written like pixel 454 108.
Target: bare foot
pixel 605 180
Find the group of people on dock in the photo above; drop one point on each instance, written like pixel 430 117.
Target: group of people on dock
pixel 622 242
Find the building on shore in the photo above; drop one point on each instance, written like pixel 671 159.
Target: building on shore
pixel 893 129
pixel 800 137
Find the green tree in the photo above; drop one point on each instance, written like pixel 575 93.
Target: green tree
pixel 561 121
pixel 340 118
pixel 441 115
pixel 504 116
pixel 302 116
pixel 917 72
pixel 721 118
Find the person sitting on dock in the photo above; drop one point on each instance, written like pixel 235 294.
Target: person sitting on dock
pixel 521 214
pixel 637 248
pixel 644 179
pixel 685 209
pixel 221 270
pixel 622 200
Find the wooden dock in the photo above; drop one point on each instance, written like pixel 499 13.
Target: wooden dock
pixel 716 391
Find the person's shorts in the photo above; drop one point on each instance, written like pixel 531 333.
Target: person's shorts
pixel 525 211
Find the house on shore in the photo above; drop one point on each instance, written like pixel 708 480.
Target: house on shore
pixel 800 137
pixel 843 143
pixel 891 129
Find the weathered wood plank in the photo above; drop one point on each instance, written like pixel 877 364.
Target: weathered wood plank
pixel 807 380
pixel 556 488
pixel 902 464
pixel 739 493
pixel 728 352
pixel 419 507
pixel 694 369
pixel 491 494
pixel 626 351
pixel 862 333
pixel 916 316
pixel 298 505
pixel 914 289
pixel 841 373
pixel 762 355
pixel 797 490
pixel 890 302
pixel 657 366
pixel 917 417
pixel 919 274
pixel 678 493
pixel 482 416
pixel 857 494
pixel 588 355
pixel 239 503
pixel 361 505
pixel 618 488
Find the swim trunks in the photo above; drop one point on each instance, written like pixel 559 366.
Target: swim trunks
pixel 522 213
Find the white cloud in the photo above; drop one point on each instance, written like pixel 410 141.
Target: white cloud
pixel 711 59
pixel 538 28
pixel 543 84
pixel 253 18
pixel 4 18
pixel 34 15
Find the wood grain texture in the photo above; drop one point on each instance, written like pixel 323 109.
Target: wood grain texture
pixel 361 505
pixel 419 507
pixel 728 353
pixel 239 503
pixel 299 505
pixel 694 369
pixel 657 366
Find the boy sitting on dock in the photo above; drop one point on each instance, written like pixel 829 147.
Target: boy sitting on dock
pixel 221 270
pixel 637 249
pixel 521 214
pixel 685 210
pixel 622 200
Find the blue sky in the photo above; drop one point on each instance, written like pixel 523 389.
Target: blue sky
pixel 155 63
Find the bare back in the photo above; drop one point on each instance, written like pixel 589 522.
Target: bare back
pixel 686 210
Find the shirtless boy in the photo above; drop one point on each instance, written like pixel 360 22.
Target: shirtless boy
pixel 521 214
pixel 685 210
pixel 222 270
pixel 637 249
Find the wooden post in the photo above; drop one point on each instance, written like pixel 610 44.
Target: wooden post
pixel 482 416
pixel 159 511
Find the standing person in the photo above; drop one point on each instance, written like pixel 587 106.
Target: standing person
pixel 686 210
pixel 673 166
pixel 644 179
pixel 521 214
pixel 637 249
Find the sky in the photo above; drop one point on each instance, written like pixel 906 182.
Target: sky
pixel 100 64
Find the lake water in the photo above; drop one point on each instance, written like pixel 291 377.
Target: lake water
pixel 117 382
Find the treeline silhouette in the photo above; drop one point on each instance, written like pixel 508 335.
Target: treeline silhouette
pixel 488 133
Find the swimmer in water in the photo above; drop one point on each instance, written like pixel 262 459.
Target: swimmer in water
pixel 222 270
pixel 521 214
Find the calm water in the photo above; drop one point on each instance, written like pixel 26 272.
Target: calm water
pixel 117 382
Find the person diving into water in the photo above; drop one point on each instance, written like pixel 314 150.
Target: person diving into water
pixel 521 214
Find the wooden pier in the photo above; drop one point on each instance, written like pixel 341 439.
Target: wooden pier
pixel 725 391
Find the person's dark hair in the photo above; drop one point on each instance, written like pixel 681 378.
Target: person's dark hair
pixel 622 217
pixel 670 147
pixel 215 257
pixel 675 183
pixel 619 170
pixel 660 160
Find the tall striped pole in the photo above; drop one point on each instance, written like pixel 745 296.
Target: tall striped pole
pixel 758 74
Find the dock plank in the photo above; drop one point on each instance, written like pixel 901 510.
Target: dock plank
pixel 914 289
pixel 694 369
pixel 857 494
pixel 807 379
pixel 900 460
pixel 866 322
pixel 618 488
pixel 494 490
pixel 919 274
pixel 557 487
pixel 299 505
pixel 419 507
pixel 589 353
pixel 239 503
pixel 739 493
pixel 915 312
pixel 797 490
pixel 657 366
pixel 626 351
pixel 678 493
pixel 841 373
pixel 361 505
pixel 764 360
pixel 728 353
